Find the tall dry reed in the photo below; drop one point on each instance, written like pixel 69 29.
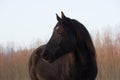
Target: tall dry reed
pixel 14 64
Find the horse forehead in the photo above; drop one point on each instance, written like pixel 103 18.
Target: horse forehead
pixel 57 27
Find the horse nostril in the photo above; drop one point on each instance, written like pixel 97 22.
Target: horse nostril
pixel 45 56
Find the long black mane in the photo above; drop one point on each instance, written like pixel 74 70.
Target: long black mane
pixel 83 37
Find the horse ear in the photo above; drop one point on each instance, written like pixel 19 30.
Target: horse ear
pixel 62 15
pixel 58 18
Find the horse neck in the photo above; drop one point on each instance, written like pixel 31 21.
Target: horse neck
pixel 81 57
pixel 77 62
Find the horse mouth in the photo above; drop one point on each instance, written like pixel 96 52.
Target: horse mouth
pixel 47 56
pixel 47 60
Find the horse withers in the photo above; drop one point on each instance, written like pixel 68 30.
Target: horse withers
pixel 68 55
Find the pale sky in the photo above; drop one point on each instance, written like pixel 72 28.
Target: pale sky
pixel 25 21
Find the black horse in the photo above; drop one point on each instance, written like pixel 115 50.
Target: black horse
pixel 68 55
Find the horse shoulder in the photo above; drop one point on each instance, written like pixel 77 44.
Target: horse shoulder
pixel 35 56
pixel 34 59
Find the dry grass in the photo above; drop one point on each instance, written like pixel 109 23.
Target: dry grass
pixel 108 57
pixel 13 65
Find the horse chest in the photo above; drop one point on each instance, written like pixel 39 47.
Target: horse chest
pixel 61 69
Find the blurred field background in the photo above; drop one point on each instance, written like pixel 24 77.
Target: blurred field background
pixel 14 63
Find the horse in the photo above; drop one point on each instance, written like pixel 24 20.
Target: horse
pixel 68 55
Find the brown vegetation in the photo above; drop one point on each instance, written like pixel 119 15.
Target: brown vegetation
pixel 14 64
